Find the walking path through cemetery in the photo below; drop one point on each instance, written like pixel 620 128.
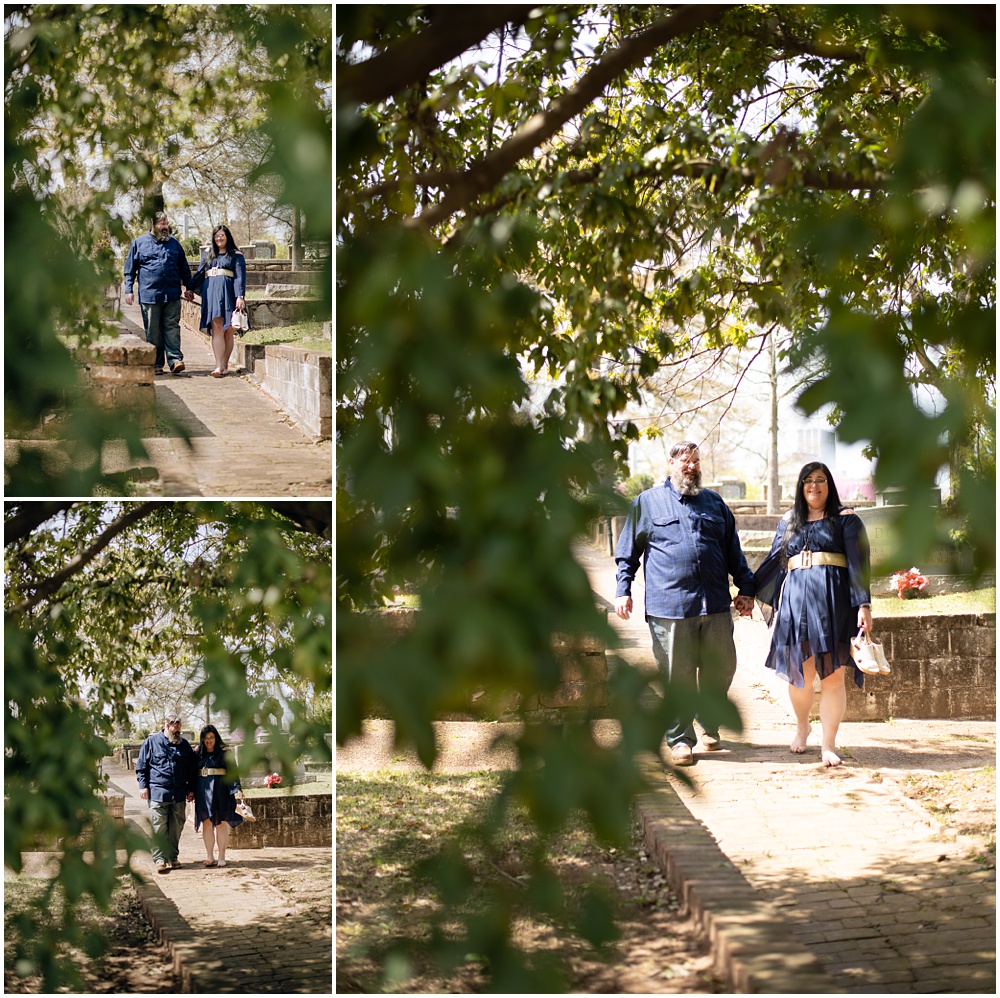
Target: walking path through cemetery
pixel 242 443
pixel 789 861
pixel 806 879
pixel 239 928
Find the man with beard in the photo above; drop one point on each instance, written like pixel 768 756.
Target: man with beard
pixel 165 772
pixel 158 260
pixel 687 540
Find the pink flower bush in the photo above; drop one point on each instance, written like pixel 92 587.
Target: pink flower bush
pixel 273 780
pixel 909 584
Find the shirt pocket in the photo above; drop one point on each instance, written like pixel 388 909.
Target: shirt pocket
pixel 666 528
pixel 712 526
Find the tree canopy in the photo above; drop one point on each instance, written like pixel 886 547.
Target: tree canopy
pixel 572 191
pixel 99 595
pixel 105 103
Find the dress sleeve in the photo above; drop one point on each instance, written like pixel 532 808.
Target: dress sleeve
pixel 629 549
pixel 859 567
pixel 240 280
pixel 770 576
pixel 232 774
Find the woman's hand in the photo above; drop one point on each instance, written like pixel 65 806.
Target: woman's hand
pixel 241 303
pixel 865 618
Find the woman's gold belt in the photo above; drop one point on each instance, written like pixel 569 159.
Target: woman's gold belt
pixel 809 558
pixel 220 272
pixel 212 772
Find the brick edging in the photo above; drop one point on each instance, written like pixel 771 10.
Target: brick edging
pixel 170 928
pixel 752 945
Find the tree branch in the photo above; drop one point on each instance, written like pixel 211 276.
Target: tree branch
pixel 52 585
pixel 487 172
pixel 454 30
pixel 28 517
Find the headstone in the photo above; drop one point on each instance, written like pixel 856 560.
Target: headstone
pixel 264 250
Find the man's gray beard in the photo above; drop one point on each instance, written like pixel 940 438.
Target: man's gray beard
pixel 687 486
pixel 173 738
pixel 160 237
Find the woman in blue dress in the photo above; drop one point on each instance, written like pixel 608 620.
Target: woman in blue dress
pixel 222 281
pixel 817 575
pixel 217 791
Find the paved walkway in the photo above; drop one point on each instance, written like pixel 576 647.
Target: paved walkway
pixel 233 929
pixel 788 860
pixel 243 444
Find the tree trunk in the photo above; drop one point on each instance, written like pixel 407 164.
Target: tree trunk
pixel 773 487
pixel 295 249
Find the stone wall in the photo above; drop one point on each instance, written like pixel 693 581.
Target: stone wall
pixel 583 665
pixel 266 313
pixel 286 820
pixel 119 375
pixel 943 667
pixel 302 381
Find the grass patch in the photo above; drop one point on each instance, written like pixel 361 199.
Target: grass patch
pixel 390 822
pixel 308 335
pixel 974 601
pixel 321 786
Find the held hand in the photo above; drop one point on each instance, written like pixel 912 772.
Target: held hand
pixel 190 796
pixel 623 606
pixel 865 619
pixel 744 604
pixel 189 295
pixel 144 795
pixel 129 298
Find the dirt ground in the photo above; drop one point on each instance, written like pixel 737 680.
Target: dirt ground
pixel 135 962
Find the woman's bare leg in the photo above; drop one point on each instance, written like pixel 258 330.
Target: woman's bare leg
pixel 222 838
pixel 802 701
pixel 227 348
pixel 208 837
pixel 219 345
pixel 832 704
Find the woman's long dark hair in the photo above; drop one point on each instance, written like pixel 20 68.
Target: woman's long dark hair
pixel 219 743
pixel 213 250
pixel 800 509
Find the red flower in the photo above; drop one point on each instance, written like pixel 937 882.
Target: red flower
pixel 273 779
pixel 909 584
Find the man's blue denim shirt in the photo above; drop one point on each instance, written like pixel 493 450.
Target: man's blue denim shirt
pixel 689 548
pixel 162 269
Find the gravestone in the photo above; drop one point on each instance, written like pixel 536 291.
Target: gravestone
pixel 264 249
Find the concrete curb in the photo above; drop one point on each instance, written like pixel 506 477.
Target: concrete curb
pixel 752 945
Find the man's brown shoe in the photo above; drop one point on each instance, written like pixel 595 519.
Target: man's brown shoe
pixel 682 755
pixel 177 367
pixel 163 867
pixel 710 743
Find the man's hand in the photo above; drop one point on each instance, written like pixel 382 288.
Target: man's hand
pixel 189 295
pixel 130 299
pixel 744 604
pixel 623 606
pixel 190 796
pixel 144 794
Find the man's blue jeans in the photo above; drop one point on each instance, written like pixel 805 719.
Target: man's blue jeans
pixel 162 323
pixel 697 653
pixel 168 822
